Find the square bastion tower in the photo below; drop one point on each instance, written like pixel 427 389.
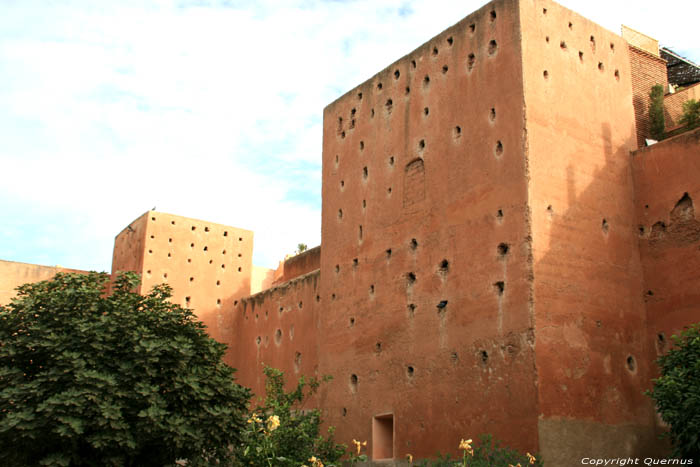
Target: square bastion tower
pixel 208 265
pixel 480 270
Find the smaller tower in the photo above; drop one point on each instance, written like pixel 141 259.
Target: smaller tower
pixel 208 265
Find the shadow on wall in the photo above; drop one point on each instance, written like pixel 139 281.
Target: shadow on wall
pixel 593 353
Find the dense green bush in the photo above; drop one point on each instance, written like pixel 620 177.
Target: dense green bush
pixel 88 378
pixel 657 124
pixel 677 392
pixel 691 113
pixel 281 433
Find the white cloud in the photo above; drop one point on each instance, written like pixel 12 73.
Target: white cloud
pixel 200 109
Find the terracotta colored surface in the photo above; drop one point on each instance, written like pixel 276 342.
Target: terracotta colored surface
pixel 208 265
pixel 494 259
pixel 673 104
pixel 448 354
pixel 667 179
pixel 589 313
pixel 13 274
pixel 300 264
pixel 646 70
pixel 277 327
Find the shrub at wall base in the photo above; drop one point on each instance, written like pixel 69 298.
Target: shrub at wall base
pixel 281 433
pixel 124 379
pixel 677 393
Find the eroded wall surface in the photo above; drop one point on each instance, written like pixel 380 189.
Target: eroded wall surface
pixel 667 180
pixel 589 313
pixel 277 327
pixel 13 274
pixel 426 324
pixel 208 265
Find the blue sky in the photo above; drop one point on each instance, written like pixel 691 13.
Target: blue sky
pixel 207 109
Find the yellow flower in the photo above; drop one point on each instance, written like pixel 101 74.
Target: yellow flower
pixel 273 422
pixel 315 462
pixel 466 445
pixel 531 458
pixel 254 419
pixel 409 457
pixel 359 445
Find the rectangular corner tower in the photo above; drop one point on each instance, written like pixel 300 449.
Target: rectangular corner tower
pixel 480 272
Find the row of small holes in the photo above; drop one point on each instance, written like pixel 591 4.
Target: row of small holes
pixel 194 227
pixel 471 60
pixel 457 130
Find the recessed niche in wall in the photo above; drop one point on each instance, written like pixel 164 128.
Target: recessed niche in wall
pixel 411 308
pixel 297 362
pixel 499 287
pixel 353 382
pixel 498 149
pixel 471 61
pixel 493 47
pixel 414 182
pixel 383 437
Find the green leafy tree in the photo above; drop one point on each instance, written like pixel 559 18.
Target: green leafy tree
pixel 677 392
pixel 691 113
pixel 657 124
pixel 281 433
pixel 301 247
pixel 88 378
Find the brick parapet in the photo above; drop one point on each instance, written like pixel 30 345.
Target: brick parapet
pixel 647 70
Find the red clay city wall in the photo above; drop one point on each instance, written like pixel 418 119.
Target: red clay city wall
pixel 426 325
pixel 667 179
pixel 309 260
pixel 588 308
pixel 13 274
pixel 279 328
